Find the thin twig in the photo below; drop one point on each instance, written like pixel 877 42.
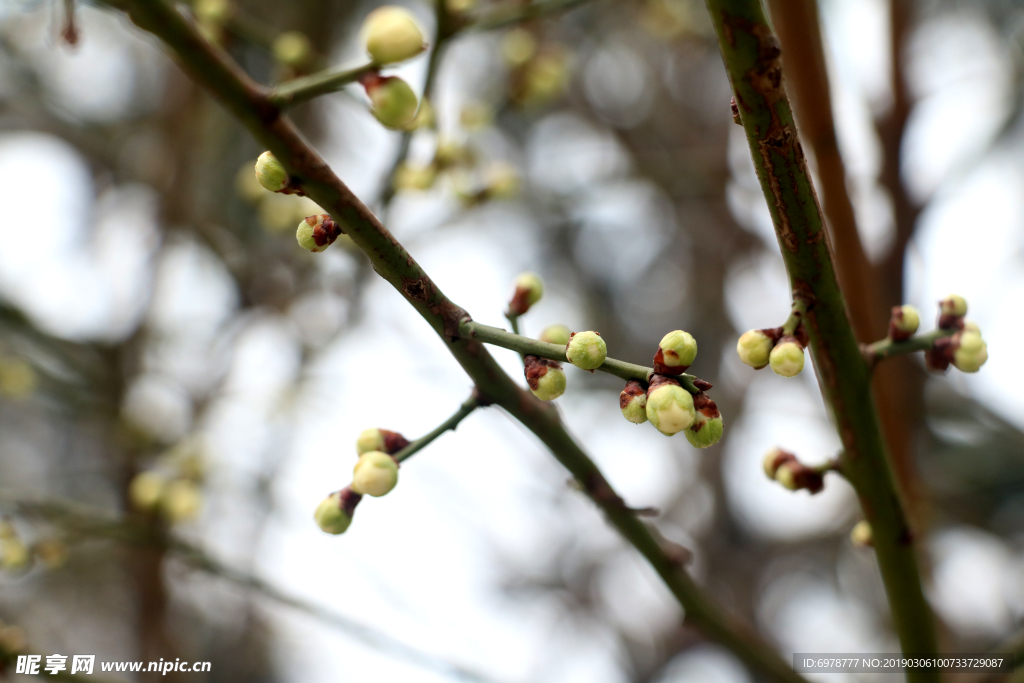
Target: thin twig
pixel 887 348
pixel 299 90
pixel 467 407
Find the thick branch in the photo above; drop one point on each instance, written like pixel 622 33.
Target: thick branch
pixel 467 407
pixel 246 100
pixel 752 59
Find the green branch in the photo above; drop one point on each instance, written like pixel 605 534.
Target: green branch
pixel 467 407
pixel 300 90
pixel 753 62
pixel 213 69
pixel 887 348
pixel 535 347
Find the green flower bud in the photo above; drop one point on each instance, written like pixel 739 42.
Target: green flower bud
pixel 971 326
pixel 707 426
pixel 586 350
pixel 793 474
pixel 334 514
pixel 754 348
pixel 786 475
pixel 529 290
pixel 676 352
pixel 633 402
pixel 316 233
pixel 774 459
pixel 375 474
pixel 787 358
pixel 953 305
pixel 971 353
pixel 271 173
pixel 145 490
pixel 861 534
pixel 394 102
pixel 180 501
pixel 904 322
pixel 669 406
pixel 391 35
pixel 556 334
pixel 383 440
pixel 292 48
pixel 415 177
pixel 545 377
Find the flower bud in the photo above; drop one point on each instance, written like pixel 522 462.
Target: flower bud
pixel 633 402
pixel 391 35
pixel 971 352
pixel 794 475
pixel 180 501
pixel 394 102
pixel 420 178
pixel 501 180
pixel 754 347
pixel 545 377
pixel 334 514
pixel 380 440
pixel 545 76
pixel 556 334
pixel 861 534
pixel 676 353
pixel 707 426
pixel 971 326
pixel 774 459
pixel 292 48
pixel 316 233
pixel 669 406
pixel 14 554
pixel 529 290
pixel 903 322
pixel 953 305
pixel 518 47
pixel 271 173
pixel 586 350
pixel 787 358
pixel 375 474
pixel 212 11
pixel 145 490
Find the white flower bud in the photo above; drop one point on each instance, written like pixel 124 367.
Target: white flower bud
pixel 676 352
pixel 391 35
pixel 334 514
pixel 787 358
pixel 953 305
pixel 145 490
pixel 670 408
pixel 753 348
pixel 971 353
pixel 586 350
pixel 375 474
pixel 861 534
pixel 904 322
pixel 394 102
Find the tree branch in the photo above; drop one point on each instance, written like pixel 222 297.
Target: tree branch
pixel 752 59
pixel 248 102
pixel 467 407
pixel 887 348
pixel 299 90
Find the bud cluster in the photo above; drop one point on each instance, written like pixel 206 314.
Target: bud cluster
pixel 16 555
pixel 772 347
pixel 965 349
pixel 783 467
pixel 171 489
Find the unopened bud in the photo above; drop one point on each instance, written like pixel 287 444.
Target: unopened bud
pixel 391 35
pixel 676 353
pixel 334 514
pixel 707 426
pixel 861 534
pixel 545 76
pixel 545 377
pixel 292 48
pixel 971 326
pixel 903 322
pixel 394 102
pixel 556 334
pixel 316 233
pixel 669 406
pixel 794 475
pixel 529 290
pixel 180 501
pixel 586 350
pixel 271 173
pixel 145 490
pixel 383 440
pixel 375 474
pixel 774 459
pixel 787 358
pixel 953 305
pixel 971 352
pixel 754 348
pixel 420 178
pixel 633 402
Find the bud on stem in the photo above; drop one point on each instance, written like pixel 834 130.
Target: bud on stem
pixel 676 353
pixel 586 350
pixel 334 514
pixel 529 290
pixel 545 377
pixel 380 440
pixel 903 322
pixel 316 233
pixel 707 427
pixel 783 467
pixel 669 407
pixel 633 402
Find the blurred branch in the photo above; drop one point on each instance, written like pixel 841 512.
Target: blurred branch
pixel 526 345
pixel 752 59
pixel 467 407
pixel 138 532
pixel 248 101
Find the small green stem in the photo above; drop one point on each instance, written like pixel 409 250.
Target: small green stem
pixel 887 348
pixel 535 347
pixel 299 90
pixel 796 316
pixel 467 407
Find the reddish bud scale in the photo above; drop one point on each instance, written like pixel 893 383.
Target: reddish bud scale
pixel 806 478
pixel 940 355
pixel 947 321
pixel 393 441
pixel 703 404
pixel 780 459
pixel 349 500
pixel 702 385
pixel 662 369
pixel 520 302
pixel 633 389
pixel 658 380
pixel 535 368
pixel 326 232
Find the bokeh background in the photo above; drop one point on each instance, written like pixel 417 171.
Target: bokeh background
pixel 157 316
